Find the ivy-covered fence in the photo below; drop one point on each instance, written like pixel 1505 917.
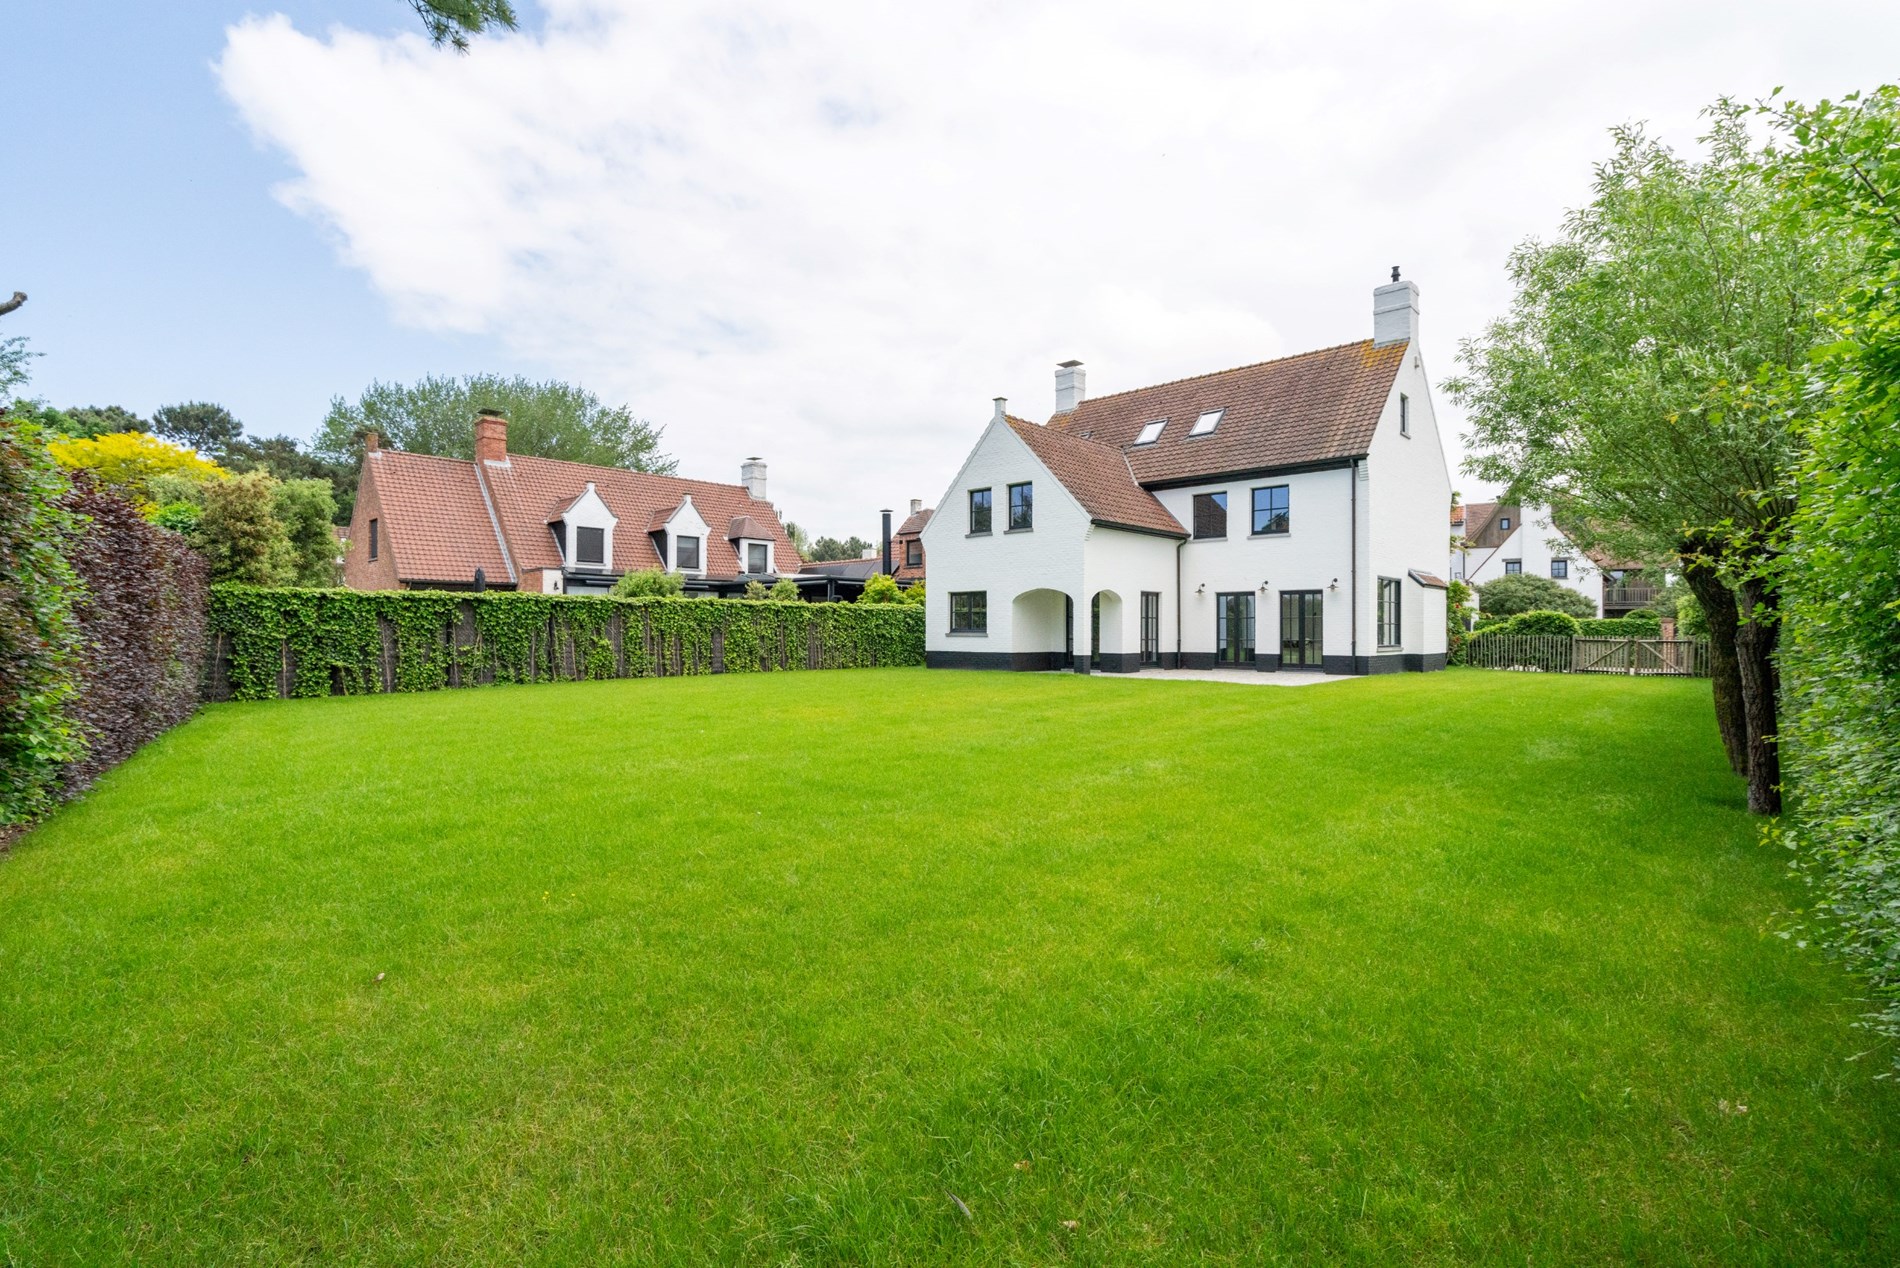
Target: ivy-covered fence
pixel 267 643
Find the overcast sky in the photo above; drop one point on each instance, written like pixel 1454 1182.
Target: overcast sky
pixel 829 234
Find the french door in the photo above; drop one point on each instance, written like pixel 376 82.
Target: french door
pixel 1150 627
pixel 1233 629
pixel 1301 634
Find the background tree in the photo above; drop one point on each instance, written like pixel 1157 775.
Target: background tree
pixel 208 428
pixel 452 22
pixel 1508 596
pixel 437 415
pixel 801 541
pixel 830 549
pixel 87 421
pixel 131 462
pixel 1644 384
pixel 241 535
pixel 306 509
pixel 286 459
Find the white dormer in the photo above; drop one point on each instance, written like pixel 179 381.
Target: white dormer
pixel 752 541
pixel 681 536
pixel 584 530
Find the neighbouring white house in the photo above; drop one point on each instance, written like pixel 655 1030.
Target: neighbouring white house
pixel 1283 515
pixel 1504 539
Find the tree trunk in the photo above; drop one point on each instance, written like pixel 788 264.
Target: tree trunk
pixel 1755 651
pixel 1720 613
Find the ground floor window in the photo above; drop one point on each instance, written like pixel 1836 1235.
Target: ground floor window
pixel 1150 627
pixel 1233 628
pixel 1388 612
pixel 970 612
pixel 1302 632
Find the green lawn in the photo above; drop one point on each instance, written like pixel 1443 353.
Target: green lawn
pixel 1452 968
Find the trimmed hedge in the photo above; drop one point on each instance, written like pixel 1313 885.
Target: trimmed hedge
pixel 1621 627
pixel 267 643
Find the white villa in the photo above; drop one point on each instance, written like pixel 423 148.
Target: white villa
pixel 1283 515
pixel 1504 539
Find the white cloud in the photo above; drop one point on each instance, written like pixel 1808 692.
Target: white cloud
pixel 829 237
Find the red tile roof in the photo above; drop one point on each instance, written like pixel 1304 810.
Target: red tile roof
pixel 1099 477
pixel 435 520
pixel 1314 407
pixel 439 526
pixel 915 524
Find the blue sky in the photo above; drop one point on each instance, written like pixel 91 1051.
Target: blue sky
pixel 142 226
pixel 826 235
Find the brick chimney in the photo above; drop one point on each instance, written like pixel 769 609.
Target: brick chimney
pixel 491 436
pixel 1071 385
pixel 371 442
pixel 752 475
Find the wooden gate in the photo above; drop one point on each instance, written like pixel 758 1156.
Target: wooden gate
pixel 1671 657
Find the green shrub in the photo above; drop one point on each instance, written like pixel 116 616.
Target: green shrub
pixel 784 590
pixel 241 535
pixel 1621 627
pixel 755 591
pixel 1542 623
pixel 1508 596
pixel 182 518
pixel 914 593
pixel 653 583
pixel 881 588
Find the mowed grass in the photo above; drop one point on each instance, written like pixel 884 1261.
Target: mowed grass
pixel 907 967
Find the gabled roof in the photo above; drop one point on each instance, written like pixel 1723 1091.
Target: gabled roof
pixel 526 490
pixel 915 524
pixel 1312 408
pixel 746 526
pixel 1481 519
pixel 1099 477
pixel 435 518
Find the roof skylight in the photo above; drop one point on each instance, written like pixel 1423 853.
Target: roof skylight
pixel 1151 432
pixel 1207 422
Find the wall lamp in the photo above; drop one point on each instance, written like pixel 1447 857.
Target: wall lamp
pixel 1201 589
pixel 1335 584
pixel 1264 585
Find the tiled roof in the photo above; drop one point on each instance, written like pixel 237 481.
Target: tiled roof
pixel 1427 579
pixel 1481 520
pixel 915 524
pixel 434 518
pixel 527 490
pixel 1099 478
pixel 1314 407
pixel 746 526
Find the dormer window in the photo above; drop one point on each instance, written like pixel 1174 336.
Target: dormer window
pixel 1151 432
pixel 686 554
pixel 1206 423
pixel 590 545
pixel 757 557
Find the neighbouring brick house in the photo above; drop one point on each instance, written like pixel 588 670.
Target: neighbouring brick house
pixel 552 527
pixel 907 545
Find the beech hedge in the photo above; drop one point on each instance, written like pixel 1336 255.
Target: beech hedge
pixel 267 643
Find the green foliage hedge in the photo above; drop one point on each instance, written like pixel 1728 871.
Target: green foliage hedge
pixel 1620 627
pixel 272 642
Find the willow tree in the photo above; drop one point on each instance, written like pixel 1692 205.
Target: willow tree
pixel 1646 383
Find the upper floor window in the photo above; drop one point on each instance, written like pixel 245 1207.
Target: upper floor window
pixel 1504 522
pixel 590 545
pixel 1022 506
pixel 1388 612
pixel 1559 569
pixel 373 543
pixel 1151 432
pixel 913 553
pixel 970 612
pixel 1405 414
pixel 1270 509
pixel 1513 566
pixel 1210 515
pixel 1207 422
pixel 979 510
pixel 686 554
pixel 758 557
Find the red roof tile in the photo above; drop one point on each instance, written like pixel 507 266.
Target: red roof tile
pixel 1314 407
pixel 435 518
pixel 1099 477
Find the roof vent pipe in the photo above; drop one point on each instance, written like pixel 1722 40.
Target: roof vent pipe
pixel 886 513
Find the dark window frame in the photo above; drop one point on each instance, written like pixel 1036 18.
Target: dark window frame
pixel 374 541
pixel 1284 514
pixel 765 557
pixel 1022 509
pixel 679 548
pixel 1204 518
pixel 1223 601
pixel 987 506
pixel 1560 570
pixel 1514 567
pixel 1405 415
pixel 914 553
pixel 1504 523
pixel 969 611
pixel 1151 627
pixel 581 542
pixel 1391 597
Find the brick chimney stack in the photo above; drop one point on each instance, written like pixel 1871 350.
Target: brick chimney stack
pixel 491 436
pixel 372 442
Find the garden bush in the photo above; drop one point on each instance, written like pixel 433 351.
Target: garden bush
pixel 269 641
pixel 1541 623
pixel 1622 627
pixel 1508 596
pixel 653 583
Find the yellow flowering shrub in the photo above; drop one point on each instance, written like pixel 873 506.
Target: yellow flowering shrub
pixel 128 460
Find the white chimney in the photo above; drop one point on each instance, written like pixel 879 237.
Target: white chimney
pixel 1071 385
pixel 916 505
pixel 1394 311
pixel 752 475
pixel 1002 409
